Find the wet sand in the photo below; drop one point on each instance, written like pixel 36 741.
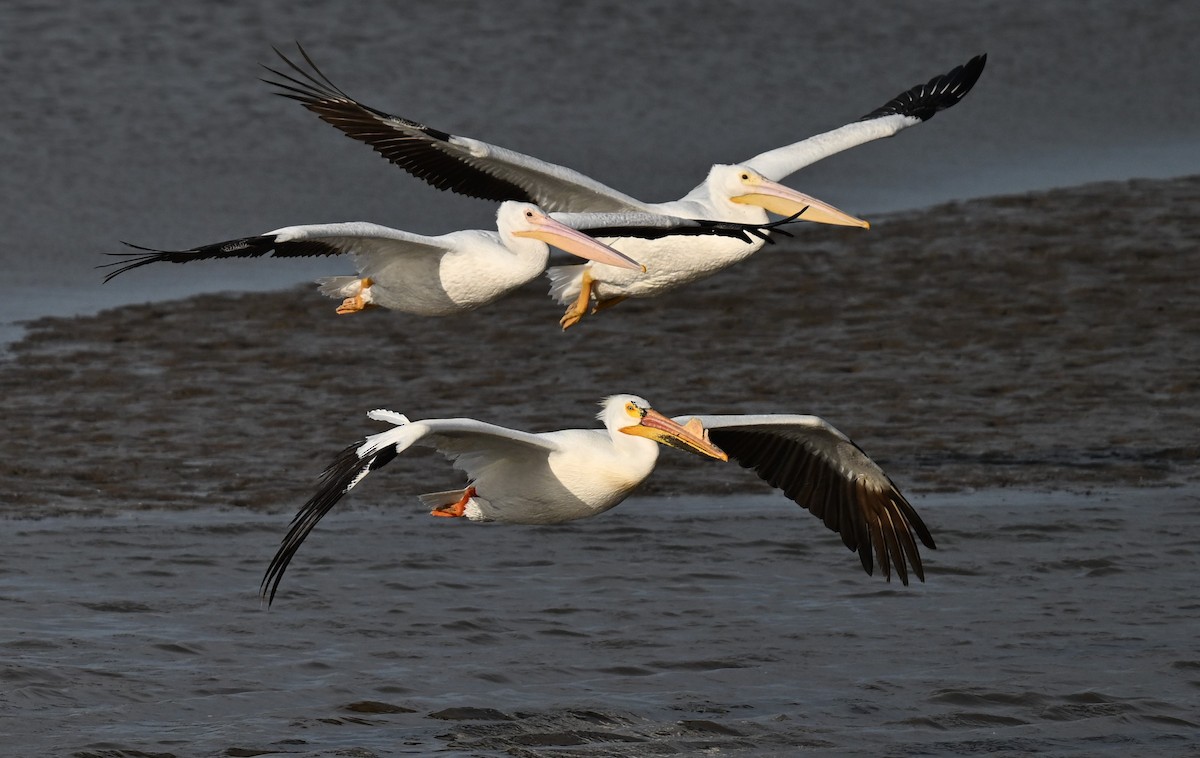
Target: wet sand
pixel 1047 340
pixel 1025 368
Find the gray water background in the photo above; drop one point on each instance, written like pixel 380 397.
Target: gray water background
pixel 144 121
pixel 1051 624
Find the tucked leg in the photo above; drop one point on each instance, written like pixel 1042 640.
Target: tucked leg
pixel 576 310
pixel 359 301
pixel 455 510
pixel 610 302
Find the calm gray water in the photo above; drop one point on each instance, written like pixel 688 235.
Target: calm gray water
pixel 143 121
pixel 1050 624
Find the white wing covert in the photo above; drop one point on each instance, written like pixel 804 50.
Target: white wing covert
pixel 469 443
pixel 909 108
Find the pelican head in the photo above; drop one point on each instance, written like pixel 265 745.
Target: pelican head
pixel 632 415
pixel 745 186
pixel 528 220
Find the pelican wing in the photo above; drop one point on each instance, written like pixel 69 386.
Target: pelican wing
pixel 448 162
pixel 909 108
pixel 657 226
pixel 357 238
pixel 469 443
pixel 822 470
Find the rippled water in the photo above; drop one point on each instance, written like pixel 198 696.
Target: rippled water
pixel 1050 623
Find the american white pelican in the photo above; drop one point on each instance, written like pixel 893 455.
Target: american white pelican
pixel 456 272
pixel 743 192
pixel 554 477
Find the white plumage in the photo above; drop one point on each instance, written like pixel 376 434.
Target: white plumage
pixel 554 477
pixel 455 272
pixel 742 192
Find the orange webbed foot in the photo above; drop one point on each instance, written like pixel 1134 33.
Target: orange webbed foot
pixel 457 509
pixel 578 308
pixel 361 300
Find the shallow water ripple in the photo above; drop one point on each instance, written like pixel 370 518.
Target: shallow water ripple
pixel 1049 623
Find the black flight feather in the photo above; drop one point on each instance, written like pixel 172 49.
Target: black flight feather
pixel 413 146
pixel 939 93
pixel 245 247
pixel 336 480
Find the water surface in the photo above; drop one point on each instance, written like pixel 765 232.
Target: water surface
pixel 1050 623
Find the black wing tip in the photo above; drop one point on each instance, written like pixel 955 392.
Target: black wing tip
pixel 317 92
pixel 313 89
pixel 873 517
pixel 891 553
pixel 923 101
pixel 894 539
pixel 411 145
pixel 971 71
pixel 910 516
pixel 882 532
pixel 777 226
pixel 129 261
pixel 335 481
pixel 974 67
pixel 750 232
pixel 697 228
pixel 243 247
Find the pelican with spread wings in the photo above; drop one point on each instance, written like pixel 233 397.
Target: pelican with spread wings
pixel 743 192
pixel 555 477
pixel 451 273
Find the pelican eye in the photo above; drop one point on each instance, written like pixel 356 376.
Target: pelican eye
pixel 633 410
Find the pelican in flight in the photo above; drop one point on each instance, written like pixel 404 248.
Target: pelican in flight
pixel 742 192
pixel 456 272
pixel 555 477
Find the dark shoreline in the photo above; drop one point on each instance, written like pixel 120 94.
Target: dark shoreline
pixel 1048 340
